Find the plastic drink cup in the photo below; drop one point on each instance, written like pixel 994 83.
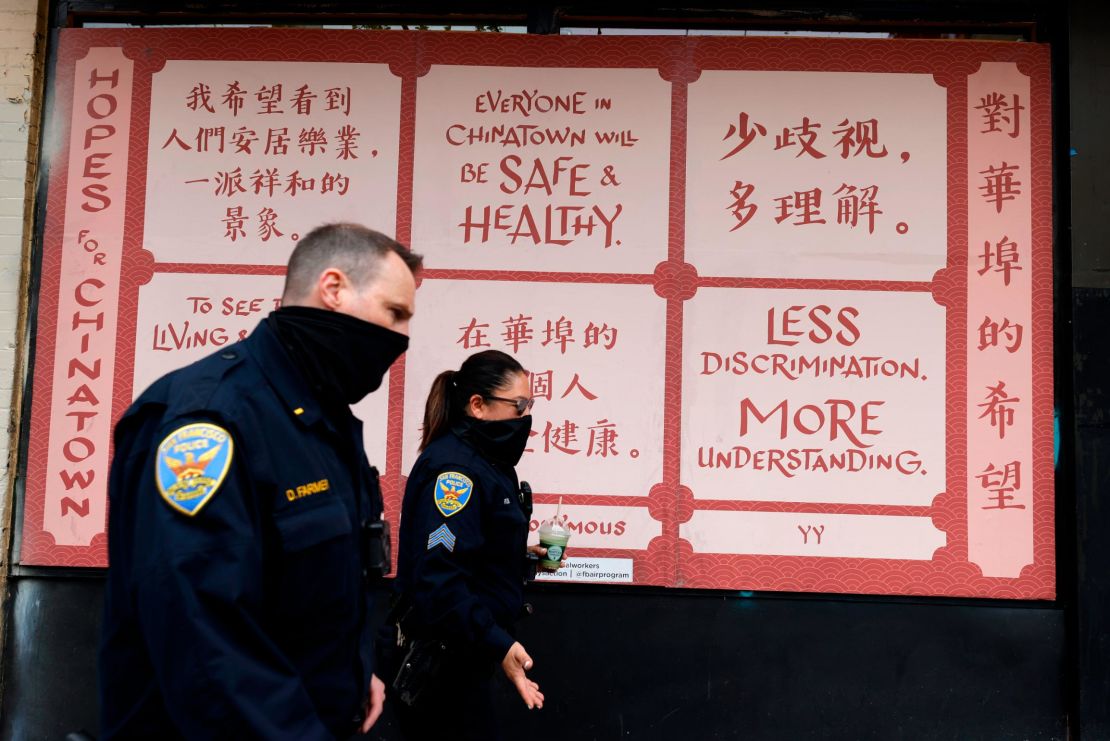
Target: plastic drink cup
pixel 553 537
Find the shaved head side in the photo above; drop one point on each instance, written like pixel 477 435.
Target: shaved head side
pixel 352 248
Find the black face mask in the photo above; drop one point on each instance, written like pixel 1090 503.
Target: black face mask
pixel 342 357
pixel 500 440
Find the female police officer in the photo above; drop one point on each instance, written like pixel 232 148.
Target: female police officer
pixel 462 561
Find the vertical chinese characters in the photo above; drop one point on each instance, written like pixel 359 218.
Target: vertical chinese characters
pixel 1000 391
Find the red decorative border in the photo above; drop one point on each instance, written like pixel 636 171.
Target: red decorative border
pixel 668 560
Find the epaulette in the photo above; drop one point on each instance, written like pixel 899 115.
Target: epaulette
pixel 193 387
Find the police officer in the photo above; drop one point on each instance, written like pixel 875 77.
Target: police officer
pixel 245 519
pixel 462 565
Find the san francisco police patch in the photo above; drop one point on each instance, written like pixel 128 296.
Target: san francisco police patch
pixel 191 464
pixel 452 492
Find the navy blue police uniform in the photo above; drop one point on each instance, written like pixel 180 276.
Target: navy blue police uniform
pixel 462 568
pixel 237 603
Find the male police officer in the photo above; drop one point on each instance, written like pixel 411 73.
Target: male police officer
pixel 244 515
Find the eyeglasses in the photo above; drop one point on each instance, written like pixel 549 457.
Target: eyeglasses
pixel 522 405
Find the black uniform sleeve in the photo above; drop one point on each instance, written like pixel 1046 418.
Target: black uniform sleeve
pixel 198 600
pixel 442 593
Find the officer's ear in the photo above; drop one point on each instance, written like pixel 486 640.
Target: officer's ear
pixel 329 288
pixel 476 406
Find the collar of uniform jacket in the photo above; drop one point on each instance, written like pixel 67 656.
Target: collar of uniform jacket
pixel 282 373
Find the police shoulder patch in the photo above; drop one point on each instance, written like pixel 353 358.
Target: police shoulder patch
pixel 452 492
pixel 191 463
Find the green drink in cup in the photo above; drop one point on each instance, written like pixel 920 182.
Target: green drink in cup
pixel 554 537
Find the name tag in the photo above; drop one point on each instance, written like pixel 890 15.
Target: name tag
pixel 306 490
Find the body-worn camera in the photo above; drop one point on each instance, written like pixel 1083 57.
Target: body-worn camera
pixel 531 560
pixel 531 566
pixel 374 536
pixel 376 548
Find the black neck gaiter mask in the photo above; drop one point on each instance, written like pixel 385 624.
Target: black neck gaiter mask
pixel 500 440
pixel 341 357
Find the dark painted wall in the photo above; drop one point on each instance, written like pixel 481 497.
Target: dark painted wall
pixel 726 667
pixel 1089 95
pixel 650 664
pixel 1092 490
pixel 50 665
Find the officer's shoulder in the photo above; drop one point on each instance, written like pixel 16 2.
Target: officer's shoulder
pixel 448 452
pixel 202 386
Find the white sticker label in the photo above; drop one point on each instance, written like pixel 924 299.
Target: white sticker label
pixel 609 570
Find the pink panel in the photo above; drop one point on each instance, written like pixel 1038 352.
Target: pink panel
pixel 88 292
pixel 999 327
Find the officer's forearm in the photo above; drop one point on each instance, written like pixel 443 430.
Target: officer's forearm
pixel 448 605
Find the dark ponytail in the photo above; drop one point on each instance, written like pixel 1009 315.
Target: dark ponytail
pixel 482 373
pixel 437 409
